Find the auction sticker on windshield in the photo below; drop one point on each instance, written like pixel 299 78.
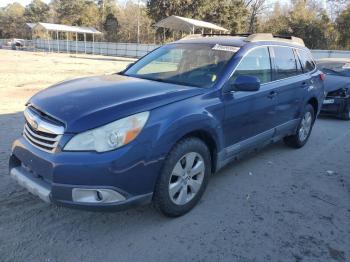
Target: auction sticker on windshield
pixel 227 48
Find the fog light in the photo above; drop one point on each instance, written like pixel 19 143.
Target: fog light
pixel 84 195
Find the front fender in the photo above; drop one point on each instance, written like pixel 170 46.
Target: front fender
pixel 177 120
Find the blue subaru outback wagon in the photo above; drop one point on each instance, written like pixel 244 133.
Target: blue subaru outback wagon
pixel 158 130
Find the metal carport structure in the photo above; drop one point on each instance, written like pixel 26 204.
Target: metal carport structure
pixel 189 25
pixel 57 28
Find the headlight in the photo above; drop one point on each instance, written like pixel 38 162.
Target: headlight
pixel 110 136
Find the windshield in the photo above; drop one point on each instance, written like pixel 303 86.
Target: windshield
pixel 341 69
pixel 185 64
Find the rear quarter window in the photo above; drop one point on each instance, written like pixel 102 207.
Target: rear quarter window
pixel 306 60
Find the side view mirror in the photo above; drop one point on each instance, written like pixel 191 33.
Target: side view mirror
pixel 245 84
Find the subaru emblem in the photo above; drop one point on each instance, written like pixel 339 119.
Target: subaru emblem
pixel 35 124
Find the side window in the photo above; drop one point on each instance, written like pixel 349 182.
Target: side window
pixel 256 63
pixel 285 62
pixel 306 61
pixel 299 67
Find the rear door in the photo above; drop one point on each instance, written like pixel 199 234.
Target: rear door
pixel 291 86
pixel 250 116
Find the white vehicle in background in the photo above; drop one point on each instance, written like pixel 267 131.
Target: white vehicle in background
pixel 16 43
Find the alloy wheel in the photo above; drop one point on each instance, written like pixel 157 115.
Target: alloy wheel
pixel 186 178
pixel 305 127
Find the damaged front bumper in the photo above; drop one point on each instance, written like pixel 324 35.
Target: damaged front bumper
pixel 336 103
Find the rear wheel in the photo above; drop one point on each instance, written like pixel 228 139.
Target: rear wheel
pixel 346 113
pixel 183 179
pixel 304 129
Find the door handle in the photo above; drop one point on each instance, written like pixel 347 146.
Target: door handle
pixel 272 94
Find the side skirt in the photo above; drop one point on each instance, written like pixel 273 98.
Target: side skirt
pixel 255 143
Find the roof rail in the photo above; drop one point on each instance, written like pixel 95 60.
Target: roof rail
pixel 278 38
pixel 194 36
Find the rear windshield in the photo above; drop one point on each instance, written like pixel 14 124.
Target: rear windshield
pixel 197 65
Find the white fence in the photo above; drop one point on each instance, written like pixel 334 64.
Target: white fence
pixel 97 48
pixel 318 54
pixel 125 49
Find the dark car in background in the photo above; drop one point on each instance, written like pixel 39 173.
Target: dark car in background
pixel 337 87
pixel 158 130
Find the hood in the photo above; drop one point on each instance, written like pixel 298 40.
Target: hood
pixel 86 103
pixel 333 82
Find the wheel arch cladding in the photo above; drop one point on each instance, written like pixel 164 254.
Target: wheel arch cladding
pixel 201 130
pixel 208 140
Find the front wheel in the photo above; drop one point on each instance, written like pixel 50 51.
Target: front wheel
pixel 184 178
pixel 304 129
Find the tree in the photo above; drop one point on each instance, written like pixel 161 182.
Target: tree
pixel 160 9
pixel 90 15
pixel 128 24
pixel 230 14
pixel 305 21
pixel 36 11
pixel 277 21
pixel 111 26
pixel 106 7
pixel 12 21
pixel 343 27
pixel 68 11
pixel 335 7
pixel 256 7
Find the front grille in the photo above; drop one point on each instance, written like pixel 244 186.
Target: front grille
pixel 40 133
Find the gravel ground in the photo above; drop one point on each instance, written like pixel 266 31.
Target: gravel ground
pixel 280 204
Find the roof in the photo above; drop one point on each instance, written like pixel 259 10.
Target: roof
pixel 179 23
pixel 66 28
pixel 31 25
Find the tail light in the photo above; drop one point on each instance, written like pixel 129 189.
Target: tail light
pixel 322 76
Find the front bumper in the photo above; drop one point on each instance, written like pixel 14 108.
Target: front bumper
pixel 129 171
pixel 33 184
pixel 335 105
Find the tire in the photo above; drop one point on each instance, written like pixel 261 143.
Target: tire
pixel 346 114
pixel 181 184
pixel 304 129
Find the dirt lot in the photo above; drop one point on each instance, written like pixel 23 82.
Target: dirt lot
pixel 278 205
